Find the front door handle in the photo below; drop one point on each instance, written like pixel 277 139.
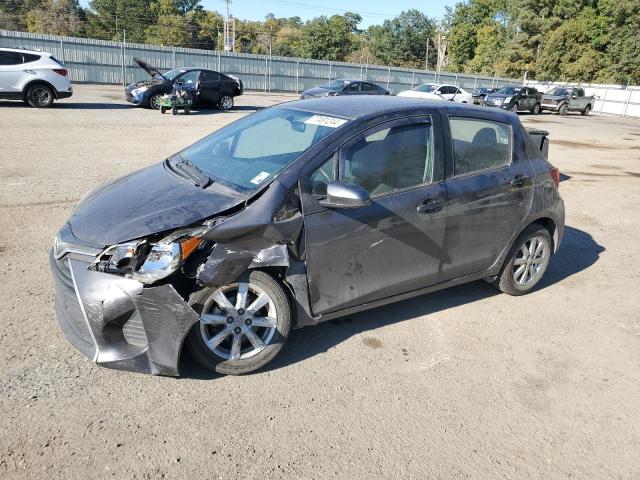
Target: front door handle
pixel 431 205
pixel 521 181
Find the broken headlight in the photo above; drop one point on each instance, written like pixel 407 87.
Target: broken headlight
pixel 148 261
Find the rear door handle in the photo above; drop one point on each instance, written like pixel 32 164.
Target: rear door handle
pixel 431 205
pixel 521 181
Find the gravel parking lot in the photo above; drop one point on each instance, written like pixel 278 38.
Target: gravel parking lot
pixel 464 383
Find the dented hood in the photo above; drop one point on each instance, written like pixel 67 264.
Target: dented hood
pixel 149 201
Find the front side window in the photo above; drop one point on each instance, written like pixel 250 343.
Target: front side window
pixel 253 150
pixel 479 144
pixel 352 88
pixel 335 85
pixel 389 159
pixel 190 78
pixel 426 88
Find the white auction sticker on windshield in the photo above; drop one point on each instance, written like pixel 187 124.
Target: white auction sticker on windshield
pixel 259 178
pixel 324 121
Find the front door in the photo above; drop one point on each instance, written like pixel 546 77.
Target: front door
pixel 191 82
pixel 395 244
pixel 489 194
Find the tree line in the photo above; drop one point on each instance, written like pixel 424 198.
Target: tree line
pixel 570 40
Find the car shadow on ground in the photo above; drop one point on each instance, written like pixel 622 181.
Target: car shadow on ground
pixel 578 252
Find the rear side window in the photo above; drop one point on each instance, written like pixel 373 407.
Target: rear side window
pixel 368 87
pixel 479 144
pixel 30 57
pixel 10 58
pixel 211 76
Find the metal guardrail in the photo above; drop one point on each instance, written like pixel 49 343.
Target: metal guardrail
pixel 106 62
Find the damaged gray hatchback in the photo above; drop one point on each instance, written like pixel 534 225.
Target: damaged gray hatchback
pixel 297 214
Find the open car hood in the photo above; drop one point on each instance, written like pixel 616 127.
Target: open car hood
pixel 154 72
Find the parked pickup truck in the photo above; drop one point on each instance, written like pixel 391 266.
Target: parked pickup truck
pixel 563 100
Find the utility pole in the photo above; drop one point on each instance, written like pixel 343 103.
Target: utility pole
pixel 426 57
pixel 229 42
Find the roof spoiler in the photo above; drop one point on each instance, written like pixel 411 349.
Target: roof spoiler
pixel 541 139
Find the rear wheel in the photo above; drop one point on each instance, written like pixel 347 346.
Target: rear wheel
pixel 527 262
pixel 163 109
pixel 242 325
pixel 586 110
pixel 187 110
pixel 39 96
pixel 174 111
pixel 226 102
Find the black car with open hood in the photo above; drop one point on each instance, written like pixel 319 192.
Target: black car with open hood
pixel 300 213
pixel 206 87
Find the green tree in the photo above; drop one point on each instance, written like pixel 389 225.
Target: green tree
pixel 403 40
pixel 106 19
pixel 55 17
pixel 329 38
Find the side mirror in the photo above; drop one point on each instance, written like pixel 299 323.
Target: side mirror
pixel 345 195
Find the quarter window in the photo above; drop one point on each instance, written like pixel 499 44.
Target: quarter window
pixel 29 57
pixel 479 144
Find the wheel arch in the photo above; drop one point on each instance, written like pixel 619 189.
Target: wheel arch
pixel 38 81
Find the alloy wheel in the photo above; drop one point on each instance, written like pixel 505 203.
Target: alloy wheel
pixel 40 96
pixel 238 321
pixel 531 261
pixel 226 102
pixel 155 102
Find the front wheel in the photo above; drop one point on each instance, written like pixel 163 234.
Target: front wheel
pixel 514 108
pixel 154 101
pixel 536 109
pixel 39 96
pixel 226 102
pixel 564 109
pixel 242 326
pixel 527 262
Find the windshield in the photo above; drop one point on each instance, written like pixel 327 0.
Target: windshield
pixel 560 91
pixel 509 90
pixel 426 88
pixel 336 85
pixel 252 151
pixel 171 74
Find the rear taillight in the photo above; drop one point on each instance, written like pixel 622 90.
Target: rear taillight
pixel 555 175
pixel 61 71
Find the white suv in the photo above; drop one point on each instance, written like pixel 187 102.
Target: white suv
pixel 32 76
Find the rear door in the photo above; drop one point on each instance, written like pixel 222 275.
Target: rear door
pixel 489 192
pixel 395 244
pixel 211 87
pixel 10 72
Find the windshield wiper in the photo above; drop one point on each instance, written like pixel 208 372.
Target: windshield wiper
pixel 186 167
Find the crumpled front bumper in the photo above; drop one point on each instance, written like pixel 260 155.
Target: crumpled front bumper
pixel 116 321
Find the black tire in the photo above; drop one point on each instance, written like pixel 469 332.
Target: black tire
pixel 586 111
pixel 226 102
pixel 187 110
pixel 39 95
pixel 563 110
pixel 174 111
pixel 154 101
pixel 514 108
pixel 205 356
pixel 536 109
pixel 163 110
pixel 505 281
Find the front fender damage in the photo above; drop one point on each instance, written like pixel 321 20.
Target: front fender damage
pixel 268 233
